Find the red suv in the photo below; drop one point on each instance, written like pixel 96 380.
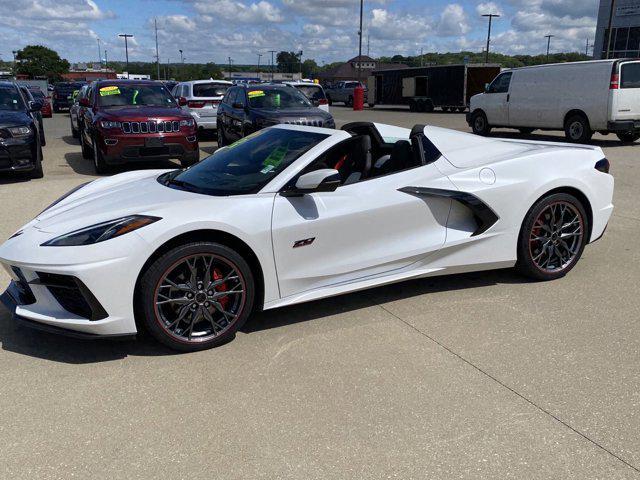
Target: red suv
pixel 132 120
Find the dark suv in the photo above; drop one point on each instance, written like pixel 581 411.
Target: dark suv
pixel 20 147
pixel 62 93
pixel 135 120
pixel 245 109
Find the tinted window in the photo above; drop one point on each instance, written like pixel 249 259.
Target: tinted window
pixel 126 94
pixel 10 99
pixel 277 98
pixel 232 96
pixel 630 76
pixel 37 94
pixel 247 165
pixel 312 92
pixel 209 89
pixel 501 83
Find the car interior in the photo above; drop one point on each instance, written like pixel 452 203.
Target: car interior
pixel 366 155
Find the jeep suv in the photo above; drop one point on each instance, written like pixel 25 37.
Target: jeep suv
pixel 135 120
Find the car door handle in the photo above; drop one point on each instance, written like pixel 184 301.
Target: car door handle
pixel 508 96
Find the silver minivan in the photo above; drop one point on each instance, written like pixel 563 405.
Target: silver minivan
pixel 203 98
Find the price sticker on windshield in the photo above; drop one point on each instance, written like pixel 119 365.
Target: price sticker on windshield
pixel 256 93
pixel 113 90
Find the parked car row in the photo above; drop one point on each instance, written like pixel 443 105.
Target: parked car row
pixel 21 131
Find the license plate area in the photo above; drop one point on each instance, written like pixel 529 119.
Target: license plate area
pixel 154 142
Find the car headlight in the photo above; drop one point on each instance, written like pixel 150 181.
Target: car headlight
pixel 73 190
pixel 108 124
pixel 187 123
pixel 102 231
pixel 19 132
pixel 330 123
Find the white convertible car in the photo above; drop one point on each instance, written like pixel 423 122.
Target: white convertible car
pixel 296 213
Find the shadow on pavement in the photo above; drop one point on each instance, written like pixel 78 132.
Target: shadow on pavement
pixel 82 166
pixel 69 140
pixel 7 178
pixel 25 341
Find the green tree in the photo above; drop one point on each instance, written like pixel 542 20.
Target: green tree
pixel 39 61
pixel 309 68
pixel 288 62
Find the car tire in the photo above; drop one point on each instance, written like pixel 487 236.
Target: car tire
pixel 428 106
pixel 526 131
pixel 99 164
pixel 349 102
pixel 329 101
pixel 37 172
pixel 222 140
pixel 168 317
pixel 461 109
pixel 87 154
pixel 628 137
pixel 480 124
pixel 74 131
pixel 445 109
pixel 577 129
pixel 187 162
pixel 552 237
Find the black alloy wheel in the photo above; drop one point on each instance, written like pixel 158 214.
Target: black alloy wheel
pixel 553 237
pixel 197 296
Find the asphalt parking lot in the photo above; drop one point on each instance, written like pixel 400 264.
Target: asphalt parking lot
pixel 469 376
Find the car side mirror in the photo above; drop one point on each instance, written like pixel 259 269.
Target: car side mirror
pixel 237 105
pixel 182 101
pixel 35 106
pixel 486 87
pixel 84 102
pixel 324 180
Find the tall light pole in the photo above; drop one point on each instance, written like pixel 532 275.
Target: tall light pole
pixel 99 52
pixel 181 56
pixel 491 17
pixel 548 37
pixel 272 64
pixel 106 62
pixel 360 43
pixel 258 72
pixel 300 62
pixel 15 52
pixel 126 36
pixel 613 2
pixel 230 60
pixel 155 24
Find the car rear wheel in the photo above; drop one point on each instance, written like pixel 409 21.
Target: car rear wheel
pixel 628 137
pixel 222 140
pixel 577 129
pixel 349 102
pixel 552 238
pixel 86 150
pixel 480 124
pixel 74 131
pixel 196 296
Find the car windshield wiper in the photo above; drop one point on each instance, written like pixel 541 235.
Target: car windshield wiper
pixel 182 184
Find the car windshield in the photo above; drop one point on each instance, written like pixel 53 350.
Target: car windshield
pixel 209 89
pixel 124 95
pixel 277 98
pixel 246 166
pixel 10 99
pixel 312 92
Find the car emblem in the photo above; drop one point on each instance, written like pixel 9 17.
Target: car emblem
pixel 303 243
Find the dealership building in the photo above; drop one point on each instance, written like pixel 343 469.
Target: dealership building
pixel 625 30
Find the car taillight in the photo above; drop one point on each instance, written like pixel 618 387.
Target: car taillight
pixel 323 101
pixel 193 104
pixel 615 82
pixel 603 165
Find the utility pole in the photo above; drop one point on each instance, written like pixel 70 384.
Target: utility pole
pixel 99 52
pixel 106 62
pixel 272 64
pixel 421 56
pixel 259 57
pixel 548 37
pixel 586 49
pixel 181 57
pixel 491 17
pixel 300 62
pixel 15 52
pixel 155 24
pixel 230 60
pixel 613 2
pixel 360 43
pixel 126 36
pixel 368 43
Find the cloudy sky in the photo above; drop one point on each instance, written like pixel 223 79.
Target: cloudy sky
pixel 212 30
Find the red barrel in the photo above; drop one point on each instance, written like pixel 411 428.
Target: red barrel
pixel 358 98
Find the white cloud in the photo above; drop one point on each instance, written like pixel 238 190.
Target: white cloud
pixel 489 7
pixel 453 21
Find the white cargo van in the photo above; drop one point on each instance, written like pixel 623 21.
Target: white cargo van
pixel 580 98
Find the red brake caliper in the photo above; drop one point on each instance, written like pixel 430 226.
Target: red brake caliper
pixel 217 275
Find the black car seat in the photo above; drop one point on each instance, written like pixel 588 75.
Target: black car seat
pixel 357 166
pixel 401 158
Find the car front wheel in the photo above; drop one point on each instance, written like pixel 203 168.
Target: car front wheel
pixel 577 129
pixel 552 238
pixel 480 124
pixel 99 164
pixel 196 296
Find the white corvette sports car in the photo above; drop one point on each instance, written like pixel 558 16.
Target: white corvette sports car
pixel 295 213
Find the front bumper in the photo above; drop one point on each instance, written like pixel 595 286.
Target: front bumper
pixel 99 303
pixel 17 154
pixel 623 125
pixel 120 148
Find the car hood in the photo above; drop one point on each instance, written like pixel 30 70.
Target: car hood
pixel 466 150
pixel 109 198
pixel 10 119
pixel 142 112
